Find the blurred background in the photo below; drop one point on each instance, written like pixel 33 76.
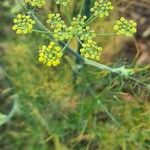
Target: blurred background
pixel 67 109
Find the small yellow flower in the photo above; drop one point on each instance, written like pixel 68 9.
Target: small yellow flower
pixel 87 34
pixel 77 25
pixel 36 3
pixel 90 50
pixel 23 24
pixel 58 26
pixel 102 8
pixel 50 55
pixel 125 27
pixel 62 2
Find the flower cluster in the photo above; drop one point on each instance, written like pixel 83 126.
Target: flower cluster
pixel 77 28
pixel 36 3
pixel 90 50
pixel 63 2
pixel 58 27
pixel 102 8
pixel 125 27
pixel 77 25
pixel 55 21
pixel 50 55
pixel 23 24
pixel 87 34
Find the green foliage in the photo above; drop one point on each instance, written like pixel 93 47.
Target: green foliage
pixel 3 119
pixel 105 108
pixel 96 113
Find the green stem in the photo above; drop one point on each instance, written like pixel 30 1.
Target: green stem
pixel 13 111
pixel 57 142
pixel 64 48
pixel 79 40
pixel 67 14
pixel 98 65
pixel 103 106
pixel 41 26
pixel 40 31
pixel 85 12
pixel 121 70
pixel 92 18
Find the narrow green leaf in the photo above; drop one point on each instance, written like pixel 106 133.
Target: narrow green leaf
pixel 3 119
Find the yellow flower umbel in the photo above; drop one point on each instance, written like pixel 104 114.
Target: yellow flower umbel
pixel 62 2
pixel 58 26
pixel 87 34
pixel 50 55
pixel 23 24
pixel 90 50
pixel 102 8
pixel 77 25
pixel 125 27
pixel 36 3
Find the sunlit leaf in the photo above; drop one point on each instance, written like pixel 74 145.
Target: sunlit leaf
pixel 3 119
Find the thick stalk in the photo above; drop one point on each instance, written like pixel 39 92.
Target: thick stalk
pixel 84 12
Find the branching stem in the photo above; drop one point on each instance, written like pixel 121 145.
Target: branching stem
pixel 121 70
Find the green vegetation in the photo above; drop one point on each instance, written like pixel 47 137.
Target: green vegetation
pixel 76 105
